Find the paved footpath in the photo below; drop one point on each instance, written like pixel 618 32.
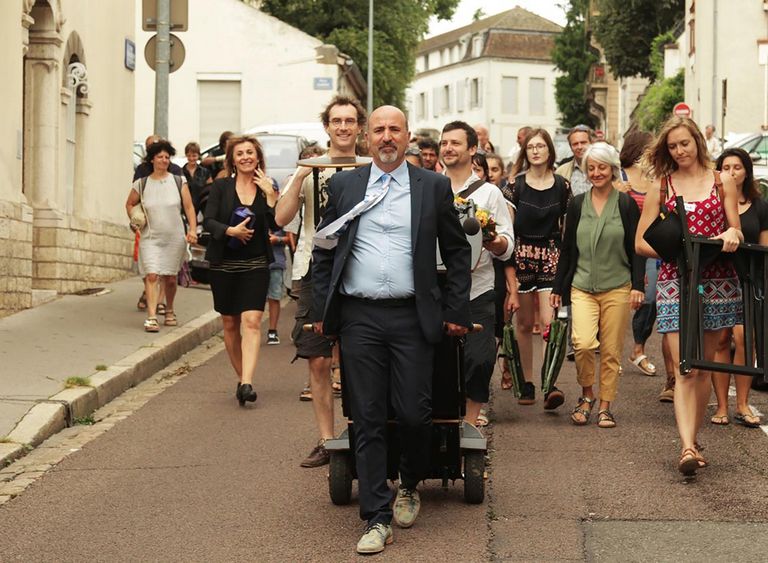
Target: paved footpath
pixel 174 470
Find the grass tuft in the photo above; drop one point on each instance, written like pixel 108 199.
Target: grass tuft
pixel 77 382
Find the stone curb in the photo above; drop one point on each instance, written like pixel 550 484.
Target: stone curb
pixel 58 412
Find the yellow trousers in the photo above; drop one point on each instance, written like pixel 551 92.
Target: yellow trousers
pixel 606 313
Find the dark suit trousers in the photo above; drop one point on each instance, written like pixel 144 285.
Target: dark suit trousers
pixel 384 353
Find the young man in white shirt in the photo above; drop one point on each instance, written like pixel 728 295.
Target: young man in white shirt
pixel 458 143
pixel 343 119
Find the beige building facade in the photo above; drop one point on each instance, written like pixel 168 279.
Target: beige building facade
pixel 496 71
pixel 243 68
pixel 65 146
pixel 727 41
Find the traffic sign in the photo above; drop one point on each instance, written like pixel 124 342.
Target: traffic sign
pixel 682 110
pixel 178 53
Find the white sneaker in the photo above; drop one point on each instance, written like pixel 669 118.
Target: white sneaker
pixel 375 538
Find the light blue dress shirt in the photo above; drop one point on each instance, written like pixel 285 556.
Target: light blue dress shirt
pixel 380 262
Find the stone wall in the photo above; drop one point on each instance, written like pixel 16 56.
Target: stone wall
pixel 15 257
pixel 87 254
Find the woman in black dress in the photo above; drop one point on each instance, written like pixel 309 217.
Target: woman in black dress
pixel 239 214
pixel 753 212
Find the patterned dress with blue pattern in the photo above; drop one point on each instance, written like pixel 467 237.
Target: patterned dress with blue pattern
pixel 722 292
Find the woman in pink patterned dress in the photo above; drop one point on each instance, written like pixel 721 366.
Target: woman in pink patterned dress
pixel 679 162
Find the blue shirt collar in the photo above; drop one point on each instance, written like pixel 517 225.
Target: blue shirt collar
pixel 399 174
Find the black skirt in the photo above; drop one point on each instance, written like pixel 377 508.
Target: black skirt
pixel 235 292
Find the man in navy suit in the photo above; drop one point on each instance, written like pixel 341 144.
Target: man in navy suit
pixel 377 290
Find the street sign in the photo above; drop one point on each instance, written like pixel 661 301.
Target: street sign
pixel 682 110
pixel 179 15
pixel 130 55
pixel 178 53
pixel 323 83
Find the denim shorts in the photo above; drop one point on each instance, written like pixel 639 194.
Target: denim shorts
pixel 276 284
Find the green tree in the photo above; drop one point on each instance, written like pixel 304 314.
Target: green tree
pixel 656 105
pixel 626 29
pixel 573 57
pixel 399 26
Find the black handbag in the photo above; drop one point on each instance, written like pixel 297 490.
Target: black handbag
pixel 665 234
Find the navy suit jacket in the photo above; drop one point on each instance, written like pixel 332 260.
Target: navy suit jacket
pixel 434 222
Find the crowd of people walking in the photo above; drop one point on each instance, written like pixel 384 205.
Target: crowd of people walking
pixel 560 239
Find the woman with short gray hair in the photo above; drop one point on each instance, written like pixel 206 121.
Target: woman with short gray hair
pixel 599 274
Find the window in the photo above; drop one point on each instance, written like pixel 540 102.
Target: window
pixel 421 106
pixel 426 61
pixel 477 46
pixel 536 96
pixel 460 101
pixel 219 108
pixel 475 93
pixel 509 94
pixel 692 30
pixel 445 99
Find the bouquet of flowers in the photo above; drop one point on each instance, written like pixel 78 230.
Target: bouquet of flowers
pixel 487 223
pixel 483 216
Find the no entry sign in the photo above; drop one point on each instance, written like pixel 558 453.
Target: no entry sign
pixel 682 110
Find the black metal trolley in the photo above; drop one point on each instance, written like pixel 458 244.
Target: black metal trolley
pixel 750 264
pixel 457 449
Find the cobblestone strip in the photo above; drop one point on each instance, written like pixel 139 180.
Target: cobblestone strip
pixel 15 478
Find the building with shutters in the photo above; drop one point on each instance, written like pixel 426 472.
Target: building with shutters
pixel 66 133
pixel 496 71
pixel 243 68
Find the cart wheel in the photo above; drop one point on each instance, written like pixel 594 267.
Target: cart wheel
pixel 340 478
pixel 474 482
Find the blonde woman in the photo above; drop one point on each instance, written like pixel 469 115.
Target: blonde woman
pixel 679 161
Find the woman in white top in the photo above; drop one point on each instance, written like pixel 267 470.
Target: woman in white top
pixel 163 244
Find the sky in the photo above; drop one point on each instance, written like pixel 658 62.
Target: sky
pixel 463 16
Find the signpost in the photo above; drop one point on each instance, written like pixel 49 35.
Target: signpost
pixel 682 110
pixel 162 16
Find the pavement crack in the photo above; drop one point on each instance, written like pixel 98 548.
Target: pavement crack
pixel 141 468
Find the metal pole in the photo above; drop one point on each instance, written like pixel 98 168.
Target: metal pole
pixel 162 60
pixel 370 57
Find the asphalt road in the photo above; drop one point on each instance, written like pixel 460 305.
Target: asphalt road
pixel 191 476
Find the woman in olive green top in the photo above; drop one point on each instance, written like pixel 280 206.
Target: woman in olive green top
pixel 600 276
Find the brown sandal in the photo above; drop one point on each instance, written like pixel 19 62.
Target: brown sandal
pixel 605 419
pixel 170 318
pixel 689 462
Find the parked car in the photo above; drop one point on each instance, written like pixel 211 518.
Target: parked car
pixel 280 152
pixel 312 131
pixel 756 144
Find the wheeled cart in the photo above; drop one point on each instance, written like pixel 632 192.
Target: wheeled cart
pixel 458 449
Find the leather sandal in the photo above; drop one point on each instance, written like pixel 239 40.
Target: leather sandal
pixel 170 318
pixel 580 410
pixel 605 419
pixel 689 462
pixel 642 363
pixel 150 325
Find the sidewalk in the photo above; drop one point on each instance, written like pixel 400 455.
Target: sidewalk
pixel 99 337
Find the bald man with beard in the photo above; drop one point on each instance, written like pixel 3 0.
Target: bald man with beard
pixel 376 288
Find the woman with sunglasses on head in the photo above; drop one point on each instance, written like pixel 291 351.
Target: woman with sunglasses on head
pixel 679 162
pixel 240 253
pixel 753 213
pixel 540 200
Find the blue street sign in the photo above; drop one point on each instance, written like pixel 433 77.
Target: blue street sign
pixel 323 83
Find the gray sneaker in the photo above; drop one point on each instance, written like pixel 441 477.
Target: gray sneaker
pixel 406 507
pixel 375 538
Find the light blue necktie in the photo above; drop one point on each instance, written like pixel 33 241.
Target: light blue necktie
pixel 328 237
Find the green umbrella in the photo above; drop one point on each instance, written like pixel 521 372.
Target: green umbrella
pixel 511 351
pixel 554 353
